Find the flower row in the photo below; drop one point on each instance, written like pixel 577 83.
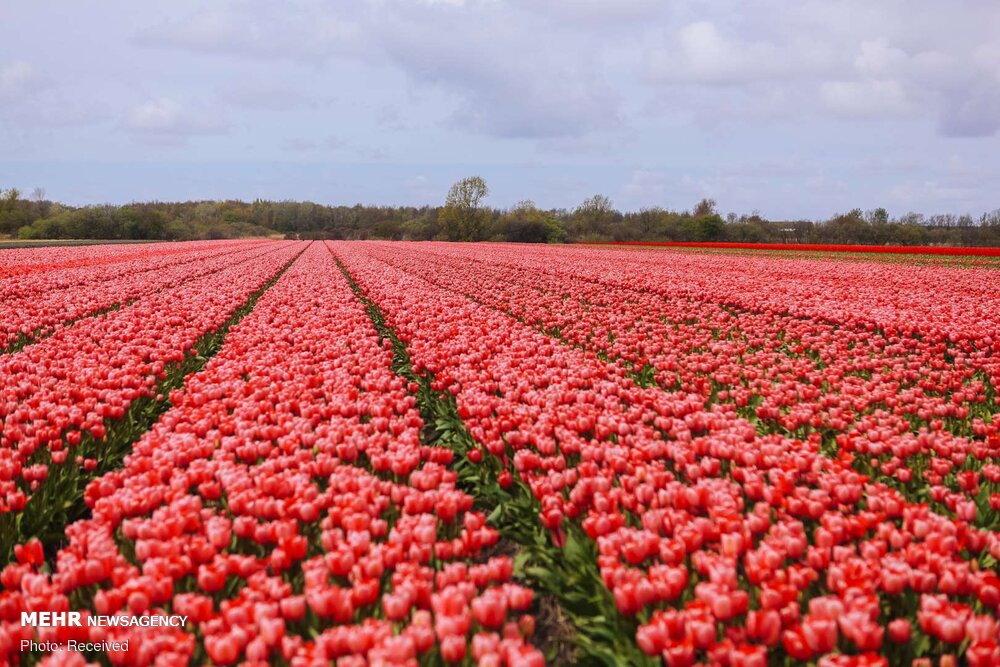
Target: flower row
pixel 286 505
pixel 54 298
pixel 74 384
pixel 730 543
pixel 918 413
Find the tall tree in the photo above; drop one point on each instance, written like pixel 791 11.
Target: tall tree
pixel 704 208
pixel 11 216
pixel 878 216
pixel 594 215
pixel 10 197
pixel 463 217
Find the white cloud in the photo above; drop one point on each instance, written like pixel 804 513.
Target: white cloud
pixel 585 91
pixel 932 194
pixel 648 185
pixel 866 98
pixel 877 58
pixel 262 31
pixel 854 60
pixel 580 145
pixel 594 13
pixel 537 110
pixel 502 80
pixel 699 53
pixel 371 153
pixel 164 116
pixel 424 190
pixel 391 117
pixel 270 96
pixel 877 86
pixel 974 112
pixel 506 82
pixel 332 145
pixel 17 81
pixel 299 145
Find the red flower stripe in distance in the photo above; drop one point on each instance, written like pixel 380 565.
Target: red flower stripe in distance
pixel 737 539
pixel 823 247
pixel 35 308
pixel 286 505
pixel 73 382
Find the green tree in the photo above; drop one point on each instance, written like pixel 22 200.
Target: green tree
pixel 711 227
pixel 594 216
pixel 705 223
pixel 14 212
pixel 463 217
pixel 849 227
pixel 598 206
pixel 878 216
pixel 704 208
pixel 526 223
pixel 9 198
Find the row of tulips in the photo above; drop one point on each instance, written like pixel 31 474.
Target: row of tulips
pixel 579 623
pixel 28 276
pixel 919 414
pixel 728 542
pixel 71 387
pixel 287 506
pixel 938 251
pixel 35 308
pixel 893 297
pixel 40 260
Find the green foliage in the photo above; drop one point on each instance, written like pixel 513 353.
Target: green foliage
pixel 526 223
pixel 711 227
pixel 704 208
pixel 463 218
pixel 167 222
pixel 879 216
pixel 596 215
pixel 13 211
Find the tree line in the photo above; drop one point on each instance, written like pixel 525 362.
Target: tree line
pixel 465 216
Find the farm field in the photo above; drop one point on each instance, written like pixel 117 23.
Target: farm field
pixel 946 251
pixel 394 453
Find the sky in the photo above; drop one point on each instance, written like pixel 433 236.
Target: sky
pixel 792 109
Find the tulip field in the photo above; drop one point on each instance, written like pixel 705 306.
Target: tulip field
pixel 385 453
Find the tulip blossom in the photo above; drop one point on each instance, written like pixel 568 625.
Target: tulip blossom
pixel 756 457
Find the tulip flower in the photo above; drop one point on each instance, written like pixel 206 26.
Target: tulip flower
pixel 764 455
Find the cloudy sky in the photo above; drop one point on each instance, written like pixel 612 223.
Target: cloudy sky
pixel 796 109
